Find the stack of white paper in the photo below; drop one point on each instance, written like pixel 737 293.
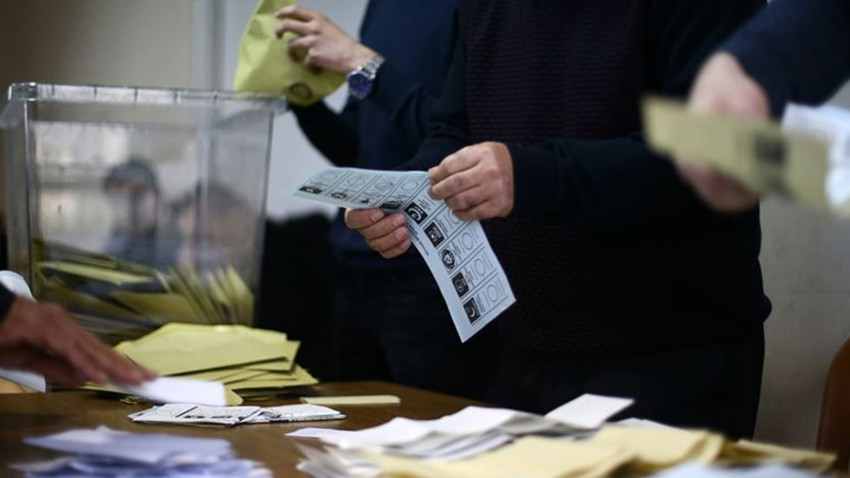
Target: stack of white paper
pixel 106 453
pixel 467 433
pixel 186 414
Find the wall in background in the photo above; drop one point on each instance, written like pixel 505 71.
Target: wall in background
pixel 116 42
pixel 806 261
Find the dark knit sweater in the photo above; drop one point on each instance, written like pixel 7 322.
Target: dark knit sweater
pixel 606 250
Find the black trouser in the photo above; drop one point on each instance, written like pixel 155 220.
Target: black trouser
pixel 715 385
pixel 393 324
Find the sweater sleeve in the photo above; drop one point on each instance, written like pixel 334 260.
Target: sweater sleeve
pixel 408 103
pixel 619 182
pixel 333 134
pixel 6 299
pixel 448 129
pixel 798 50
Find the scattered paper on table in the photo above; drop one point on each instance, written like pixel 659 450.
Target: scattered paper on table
pixel 589 411
pixel 182 414
pixel 107 453
pixel 457 252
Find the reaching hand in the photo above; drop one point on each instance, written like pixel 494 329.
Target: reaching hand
pixel 476 182
pixel 723 87
pixel 386 234
pixel 321 43
pixel 43 338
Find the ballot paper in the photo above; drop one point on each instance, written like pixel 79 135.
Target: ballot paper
pixel 457 252
pixel 832 124
pixel 181 414
pixel 757 153
pixel 589 411
pixel 106 453
pixel 181 390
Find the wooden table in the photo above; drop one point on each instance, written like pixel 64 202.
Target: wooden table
pixel 39 414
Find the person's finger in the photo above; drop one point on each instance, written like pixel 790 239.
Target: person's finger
pixel 482 211
pixel 389 241
pixel 57 370
pixel 360 218
pixel 25 357
pixel 397 250
pixel 467 199
pixel 456 183
pixel 453 163
pixel 117 367
pixel 385 226
pixel 296 12
pixel 298 48
pixel 293 26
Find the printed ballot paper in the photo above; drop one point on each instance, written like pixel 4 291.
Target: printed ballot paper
pixel 182 414
pixel 457 252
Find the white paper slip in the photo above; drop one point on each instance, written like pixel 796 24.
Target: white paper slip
pixel 27 379
pixel 693 470
pixel 476 420
pixel 457 252
pixel 589 411
pixel 311 432
pixel 179 390
pixel 833 125
pixel 187 414
pixel 103 452
pixel 143 448
pixel 295 413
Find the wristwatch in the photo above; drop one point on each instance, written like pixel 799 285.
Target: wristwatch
pixel 362 78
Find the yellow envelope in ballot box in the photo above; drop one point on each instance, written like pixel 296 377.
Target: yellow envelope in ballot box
pixel 264 66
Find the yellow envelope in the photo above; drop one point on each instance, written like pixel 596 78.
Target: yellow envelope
pixel 182 348
pixel 264 66
pixel 159 307
pixel 660 448
pixel 530 457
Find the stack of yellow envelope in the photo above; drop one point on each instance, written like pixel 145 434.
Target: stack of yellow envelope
pixel 121 300
pixel 251 363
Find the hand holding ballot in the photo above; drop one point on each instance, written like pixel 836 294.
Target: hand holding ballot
pixel 321 44
pixel 476 182
pixel 723 88
pixel 43 338
pixel 387 234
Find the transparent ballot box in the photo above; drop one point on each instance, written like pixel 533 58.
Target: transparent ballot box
pixel 133 207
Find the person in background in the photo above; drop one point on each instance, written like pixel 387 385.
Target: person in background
pixel 626 284
pixel 390 320
pixel 43 338
pixel 796 50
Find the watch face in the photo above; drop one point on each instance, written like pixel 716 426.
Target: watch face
pixel 359 84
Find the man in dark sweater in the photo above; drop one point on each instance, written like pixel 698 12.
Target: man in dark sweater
pixel 390 320
pixel 796 50
pixel 43 338
pixel 625 283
